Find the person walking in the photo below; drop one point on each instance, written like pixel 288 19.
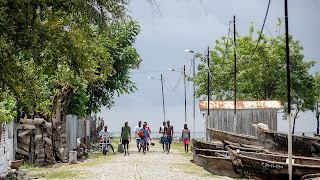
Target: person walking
pixel 148 136
pixel 138 139
pixel 168 130
pixel 125 133
pixel 186 137
pixel 107 134
pixel 144 137
pixel 162 138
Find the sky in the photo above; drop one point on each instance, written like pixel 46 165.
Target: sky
pixel 195 25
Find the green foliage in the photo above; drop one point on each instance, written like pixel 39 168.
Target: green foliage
pixel 7 105
pixel 261 76
pixel 87 44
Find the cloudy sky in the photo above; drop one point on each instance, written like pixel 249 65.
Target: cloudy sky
pixel 195 25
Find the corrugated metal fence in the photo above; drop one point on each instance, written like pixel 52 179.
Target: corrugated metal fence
pixel 222 119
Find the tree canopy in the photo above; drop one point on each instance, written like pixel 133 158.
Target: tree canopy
pixel 50 48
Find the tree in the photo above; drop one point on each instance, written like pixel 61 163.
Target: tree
pixel 73 55
pixel 261 76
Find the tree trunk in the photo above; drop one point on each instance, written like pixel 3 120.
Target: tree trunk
pixel 294 120
pixel 317 116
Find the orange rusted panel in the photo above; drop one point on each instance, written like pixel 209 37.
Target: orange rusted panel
pixel 241 104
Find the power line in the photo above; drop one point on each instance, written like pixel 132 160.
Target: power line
pixel 176 84
pixel 150 71
pixel 259 38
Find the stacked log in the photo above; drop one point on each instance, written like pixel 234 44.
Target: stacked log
pixel 61 142
pixel 34 143
pixel 39 147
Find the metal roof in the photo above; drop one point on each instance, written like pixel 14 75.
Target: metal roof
pixel 241 104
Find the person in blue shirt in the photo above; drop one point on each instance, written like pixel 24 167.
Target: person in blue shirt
pixel 145 132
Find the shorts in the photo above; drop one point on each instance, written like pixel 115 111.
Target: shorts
pixel 148 140
pixel 168 139
pixel 185 141
pixel 162 139
pixel 143 141
pixel 125 141
pixel 138 141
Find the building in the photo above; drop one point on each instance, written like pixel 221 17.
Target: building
pixel 221 115
pixel 6 148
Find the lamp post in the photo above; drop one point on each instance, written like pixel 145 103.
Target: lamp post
pixel 164 112
pixel 185 90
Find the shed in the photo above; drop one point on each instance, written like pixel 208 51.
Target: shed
pixel 221 113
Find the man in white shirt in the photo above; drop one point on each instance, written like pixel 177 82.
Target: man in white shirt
pixel 138 139
pixel 107 133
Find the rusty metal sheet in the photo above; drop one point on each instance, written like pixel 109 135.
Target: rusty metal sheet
pixel 241 104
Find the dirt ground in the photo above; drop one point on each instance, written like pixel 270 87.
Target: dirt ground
pixel 154 165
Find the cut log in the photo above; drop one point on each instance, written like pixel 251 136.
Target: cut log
pixel 40 156
pixel 39 151
pixel 22 133
pixel 38 130
pixel 40 162
pixel 26 126
pixel 28 121
pixel 21 151
pixel 47 140
pixel 38 137
pixel 23 146
pixel 47 125
pixel 24 139
pixel 38 121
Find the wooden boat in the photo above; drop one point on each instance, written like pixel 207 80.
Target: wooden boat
pixel 316 135
pixel 271 166
pixel 257 149
pixel 232 137
pixel 311 177
pixel 278 142
pixel 207 145
pixel 218 165
pixel 206 152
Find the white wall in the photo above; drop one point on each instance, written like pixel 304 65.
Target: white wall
pixel 6 150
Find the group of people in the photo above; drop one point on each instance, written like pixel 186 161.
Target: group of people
pixel 143 138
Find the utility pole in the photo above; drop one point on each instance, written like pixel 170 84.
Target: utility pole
pixel 208 116
pixel 164 112
pixel 288 91
pixel 185 94
pixel 194 100
pixel 235 77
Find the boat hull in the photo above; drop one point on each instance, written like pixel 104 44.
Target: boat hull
pixel 207 152
pixel 219 165
pixel 254 167
pixel 278 142
pixel 232 137
pixel 207 145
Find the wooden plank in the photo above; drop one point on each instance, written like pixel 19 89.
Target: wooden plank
pixel 26 126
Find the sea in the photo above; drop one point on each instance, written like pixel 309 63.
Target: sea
pixel 199 134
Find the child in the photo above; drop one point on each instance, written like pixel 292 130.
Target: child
pixel 186 137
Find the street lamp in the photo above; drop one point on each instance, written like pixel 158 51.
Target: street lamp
pixel 164 112
pixel 185 90
pixel 194 108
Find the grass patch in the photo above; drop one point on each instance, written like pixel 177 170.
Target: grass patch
pixel 26 165
pixel 63 174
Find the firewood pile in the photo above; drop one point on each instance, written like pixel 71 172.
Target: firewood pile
pixel 34 142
